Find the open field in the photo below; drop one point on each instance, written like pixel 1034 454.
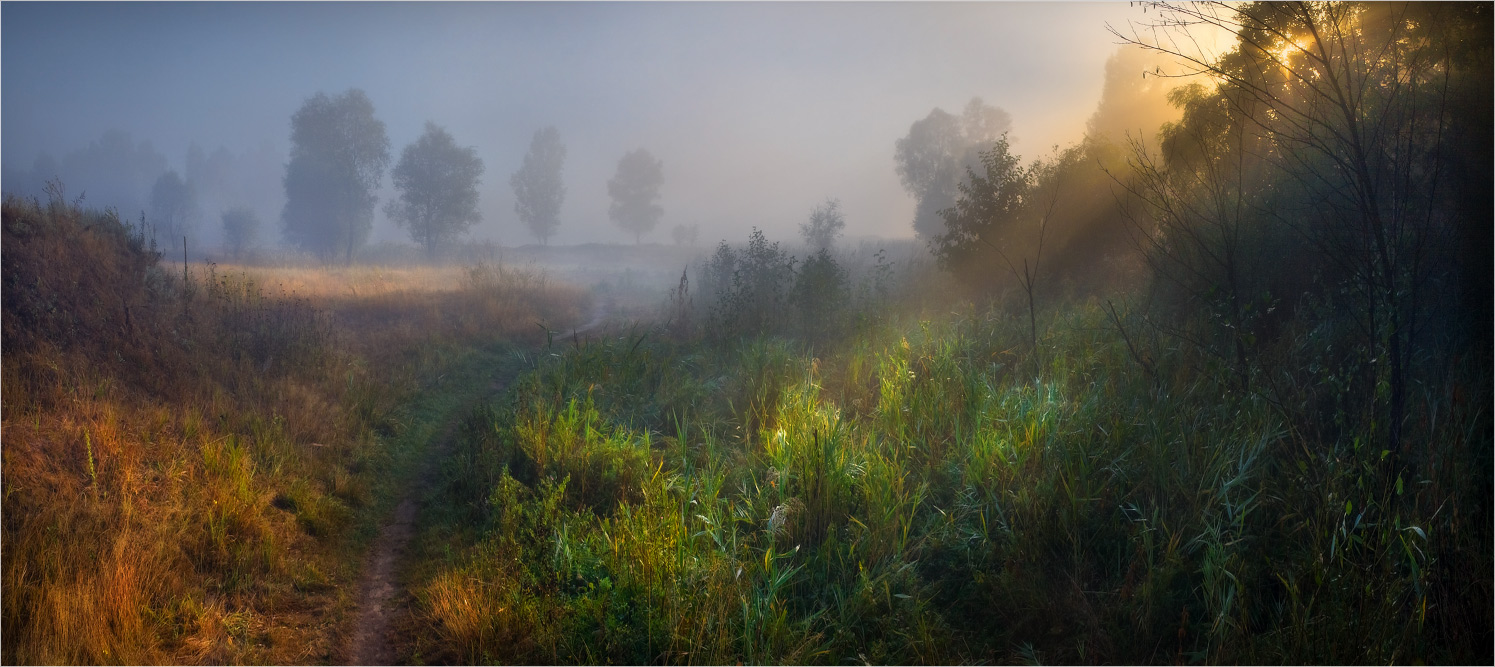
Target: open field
pixel 196 469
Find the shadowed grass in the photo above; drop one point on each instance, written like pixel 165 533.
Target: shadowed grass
pixel 933 492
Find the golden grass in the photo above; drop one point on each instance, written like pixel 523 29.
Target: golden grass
pixel 183 464
pixel 380 309
pixel 344 282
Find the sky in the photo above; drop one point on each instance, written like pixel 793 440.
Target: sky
pixel 759 111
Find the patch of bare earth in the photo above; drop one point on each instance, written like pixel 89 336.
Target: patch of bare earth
pixel 382 598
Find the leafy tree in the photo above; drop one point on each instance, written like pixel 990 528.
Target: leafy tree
pixel 173 204
pixel 338 155
pixel 819 296
pixel 1134 98
pixel 986 217
pixel 438 184
pixel 241 228
pixel 538 188
pixel 1328 133
pixel 635 189
pixel 826 223
pixel 748 288
pixel 933 156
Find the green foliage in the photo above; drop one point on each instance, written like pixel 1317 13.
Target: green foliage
pixel 910 497
pixel 749 288
pixel 931 158
pixel 762 289
pixel 988 215
pixel 820 296
pixel 1311 174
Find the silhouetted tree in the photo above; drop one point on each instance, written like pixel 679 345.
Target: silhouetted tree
pixel 338 155
pixel 825 225
pixel 820 295
pixel 634 190
pixel 986 216
pixel 933 157
pixel 241 228
pixel 438 185
pixel 172 207
pixel 538 188
pixel 1329 128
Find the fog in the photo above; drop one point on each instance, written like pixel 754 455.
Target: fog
pixel 759 112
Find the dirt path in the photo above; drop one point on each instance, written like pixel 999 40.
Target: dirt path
pixel 377 604
pixel 600 312
pixel 382 597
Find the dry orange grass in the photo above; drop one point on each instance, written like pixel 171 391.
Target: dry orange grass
pixel 343 282
pixel 380 309
pixel 182 465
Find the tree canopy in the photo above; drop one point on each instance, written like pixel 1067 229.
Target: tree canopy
pixel 825 225
pixel 438 185
pixel 338 155
pixel 635 191
pixel 934 155
pixel 1322 164
pixel 538 187
pixel 987 214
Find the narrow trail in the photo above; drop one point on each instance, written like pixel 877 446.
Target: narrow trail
pixel 601 311
pixel 382 596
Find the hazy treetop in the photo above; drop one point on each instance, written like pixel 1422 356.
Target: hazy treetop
pixel 760 110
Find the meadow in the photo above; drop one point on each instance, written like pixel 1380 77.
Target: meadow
pixel 1210 384
pixel 929 487
pixel 839 459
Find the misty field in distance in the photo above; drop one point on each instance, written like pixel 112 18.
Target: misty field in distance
pixel 741 333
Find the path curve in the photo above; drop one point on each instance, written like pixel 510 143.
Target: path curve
pixel 381 595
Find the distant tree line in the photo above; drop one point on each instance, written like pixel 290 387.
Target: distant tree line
pixel 339 153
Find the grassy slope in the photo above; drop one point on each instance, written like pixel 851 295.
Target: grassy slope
pixel 192 469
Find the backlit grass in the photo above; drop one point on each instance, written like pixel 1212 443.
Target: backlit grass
pixel 935 492
pixel 192 467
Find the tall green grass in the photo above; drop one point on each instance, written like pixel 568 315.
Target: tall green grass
pixel 936 491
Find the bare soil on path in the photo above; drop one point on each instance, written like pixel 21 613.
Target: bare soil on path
pixel 382 597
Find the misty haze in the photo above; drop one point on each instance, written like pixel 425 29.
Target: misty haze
pixel 747 333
